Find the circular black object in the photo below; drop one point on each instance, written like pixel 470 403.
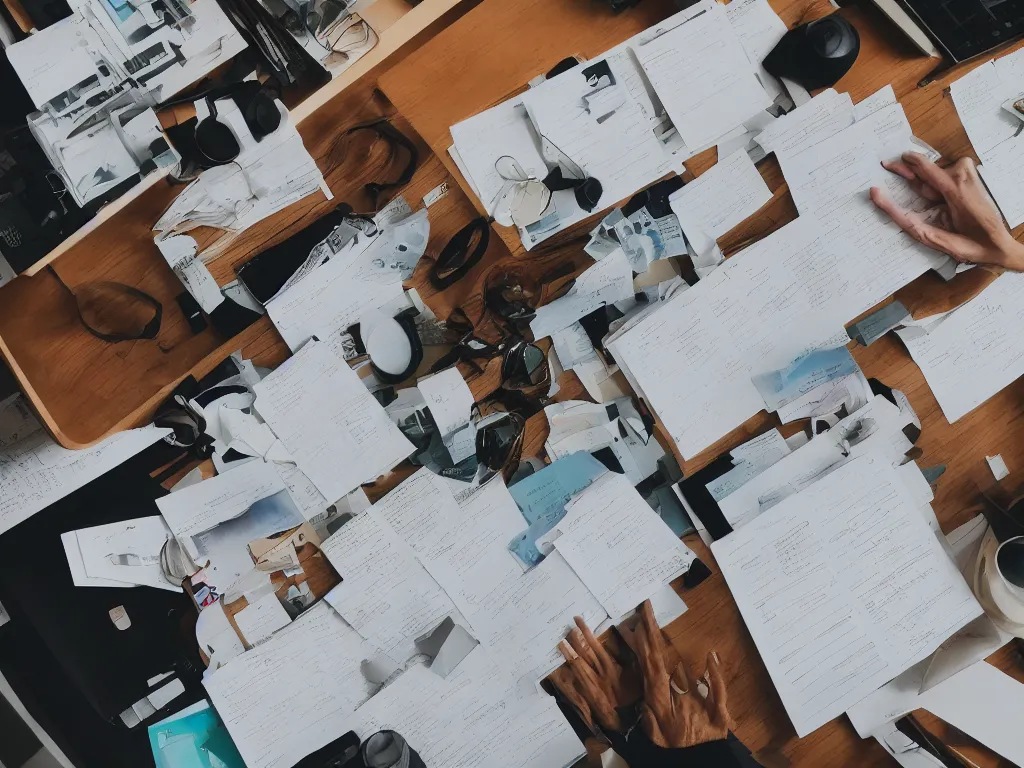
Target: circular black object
pixel 816 54
pixel 460 254
pixel 215 141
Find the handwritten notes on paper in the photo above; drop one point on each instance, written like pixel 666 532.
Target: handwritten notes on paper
pixel 719 199
pixel 845 571
pixel 294 693
pixel 337 432
pixel 35 471
pixel 386 594
pixel 703 77
pixel 976 351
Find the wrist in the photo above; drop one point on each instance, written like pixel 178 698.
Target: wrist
pixel 1012 256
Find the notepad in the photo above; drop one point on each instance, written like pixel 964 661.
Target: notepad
pixel 843 586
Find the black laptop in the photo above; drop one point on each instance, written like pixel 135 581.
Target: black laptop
pixel 966 28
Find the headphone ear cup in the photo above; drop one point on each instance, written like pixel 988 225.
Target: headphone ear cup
pixel 588 194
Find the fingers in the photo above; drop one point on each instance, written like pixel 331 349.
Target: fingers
pixel 899 168
pixel 904 171
pixel 652 663
pixel 717 696
pixel 565 686
pixel 680 680
pixel 650 725
pixel 583 648
pixel 604 660
pixel 885 203
pixel 929 173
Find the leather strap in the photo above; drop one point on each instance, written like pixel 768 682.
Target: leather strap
pixel 455 260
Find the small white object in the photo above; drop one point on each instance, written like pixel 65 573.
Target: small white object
pixel 120 618
pixel 164 696
pixel 998 466
pixel 440 192
pixel 158 679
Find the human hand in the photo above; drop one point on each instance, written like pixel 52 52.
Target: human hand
pixel 674 713
pixel 962 222
pixel 595 681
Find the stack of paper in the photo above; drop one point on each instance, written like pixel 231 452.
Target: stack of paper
pixel 846 570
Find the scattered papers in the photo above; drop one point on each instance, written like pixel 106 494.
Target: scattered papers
pixel 975 351
pixel 873 327
pixel 180 253
pixel 127 552
pixel 883 97
pixel 502 131
pixel 480 722
pixel 618 546
pixel 978 97
pixel 337 432
pixel 718 200
pixel 1001 174
pixel 606 282
pixel 294 693
pixel 703 77
pixel 837 571
pixel 599 115
pixel 822 117
pixel 35 471
pixel 386 594
pixel 542 498
pixel 782 387
pixel 692 358
pixel 750 460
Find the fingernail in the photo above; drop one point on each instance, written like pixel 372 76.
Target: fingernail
pixel 714 655
pixel 567 650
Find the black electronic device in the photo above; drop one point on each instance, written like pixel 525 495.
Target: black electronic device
pixel 966 28
pixel 815 54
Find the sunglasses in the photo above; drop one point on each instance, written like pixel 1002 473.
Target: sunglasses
pixel 499 442
pixel 524 366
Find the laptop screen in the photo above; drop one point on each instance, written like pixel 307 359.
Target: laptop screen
pixel 966 28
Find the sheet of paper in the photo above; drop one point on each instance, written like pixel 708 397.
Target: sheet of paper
pixel 204 505
pixel 1001 173
pixel 294 693
pixel 830 181
pixel 260 620
pixel 846 570
pixel 822 117
pixel 504 130
pixel 337 432
pixel 693 357
pixel 703 77
pixel 976 351
pixel 978 97
pixel 619 547
pixel 386 594
pixel 448 398
pixel 479 723
pixel 883 97
pixel 759 29
pixel 128 551
pixel 45 75
pixel 606 282
pixel 719 199
pixel 750 459
pixel 35 471
pixel 77 565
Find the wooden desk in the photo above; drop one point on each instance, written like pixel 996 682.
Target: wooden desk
pixel 495 49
